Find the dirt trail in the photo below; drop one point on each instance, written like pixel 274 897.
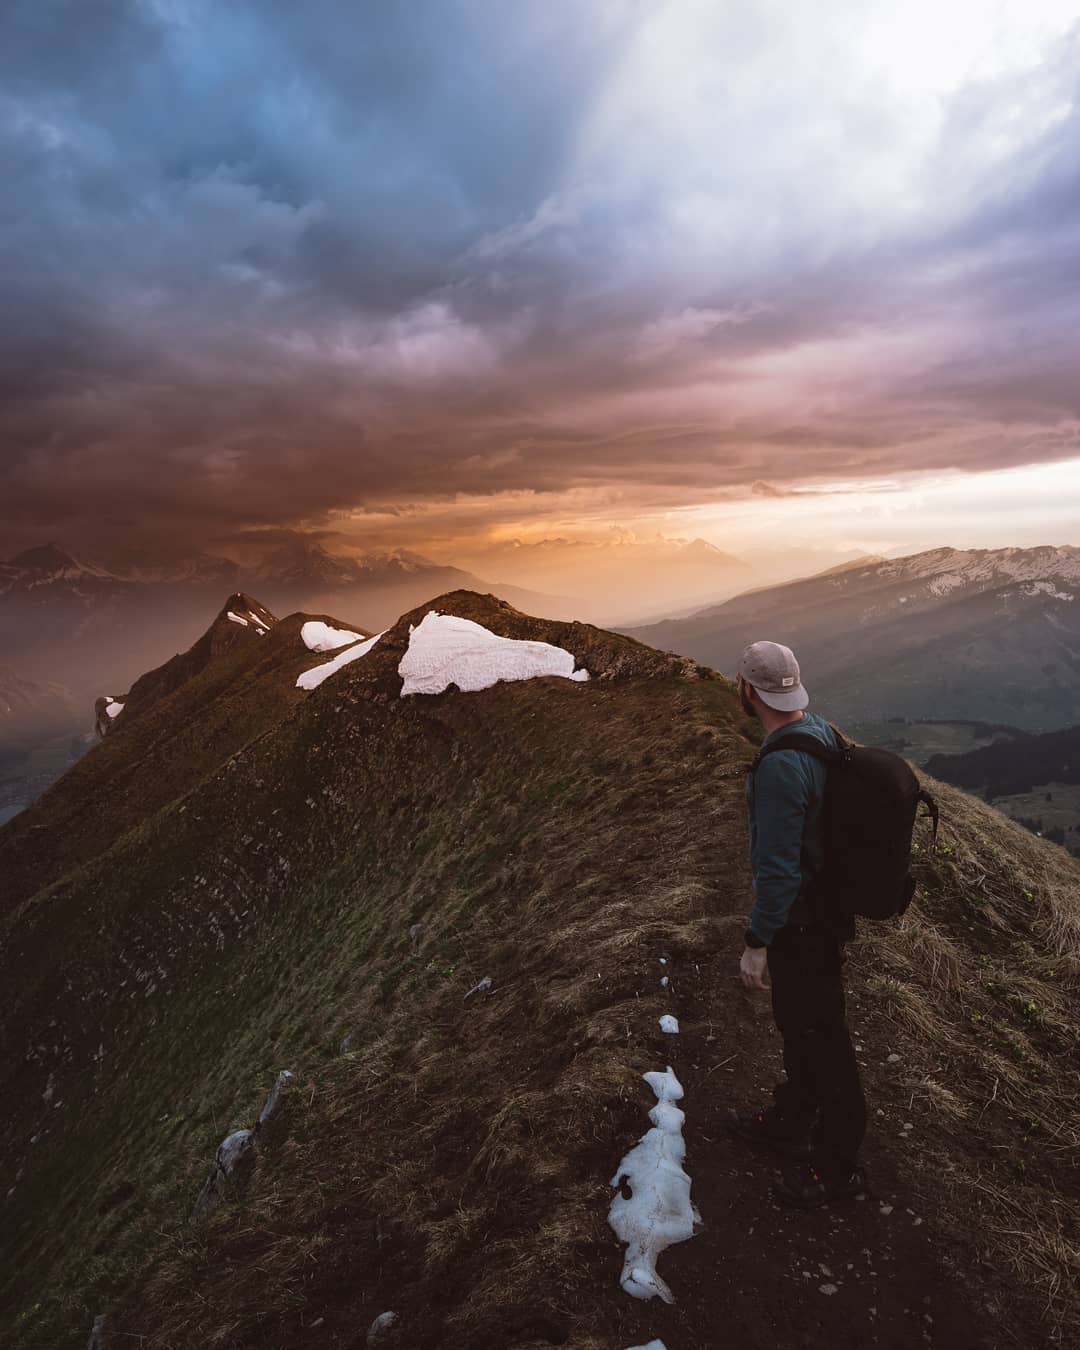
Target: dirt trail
pixel 879 1272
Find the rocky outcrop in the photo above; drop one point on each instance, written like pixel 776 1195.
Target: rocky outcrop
pixel 106 710
pixel 236 1151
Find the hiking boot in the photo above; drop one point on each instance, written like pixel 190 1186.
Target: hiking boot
pixel 803 1186
pixel 760 1129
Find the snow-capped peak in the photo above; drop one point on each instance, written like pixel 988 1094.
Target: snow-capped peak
pixel 944 570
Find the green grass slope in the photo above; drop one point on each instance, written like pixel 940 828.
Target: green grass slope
pixel 447 1156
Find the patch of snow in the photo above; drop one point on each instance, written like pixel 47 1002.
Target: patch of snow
pixel 311 679
pixel 114 707
pixel 248 619
pixel 946 582
pixel 480 986
pixel 669 1024
pixel 320 637
pixel 445 650
pixel 664 982
pixel 658 1212
pixel 1046 588
pixel 653 1345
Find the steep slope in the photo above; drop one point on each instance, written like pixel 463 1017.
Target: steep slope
pixel 327 895
pixel 202 707
pixel 983 633
pixel 1034 780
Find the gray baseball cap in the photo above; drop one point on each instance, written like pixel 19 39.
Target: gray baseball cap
pixel 773 671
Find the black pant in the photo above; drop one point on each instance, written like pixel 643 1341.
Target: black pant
pixel 822 1094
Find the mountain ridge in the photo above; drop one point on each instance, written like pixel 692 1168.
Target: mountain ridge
pixel 322 884
pixel 987 634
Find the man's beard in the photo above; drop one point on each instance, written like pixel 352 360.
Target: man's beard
pixel 747 707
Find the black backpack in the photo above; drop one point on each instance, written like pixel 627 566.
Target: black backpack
pixel 871 801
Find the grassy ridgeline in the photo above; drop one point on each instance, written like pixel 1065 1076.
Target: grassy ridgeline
pixel 443 1155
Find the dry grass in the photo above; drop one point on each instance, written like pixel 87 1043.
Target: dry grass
pixel 454 1160
pixel 983 975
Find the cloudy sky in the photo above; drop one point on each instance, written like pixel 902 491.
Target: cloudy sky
pixel 450 272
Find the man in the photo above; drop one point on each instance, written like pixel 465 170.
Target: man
pixel 818 1115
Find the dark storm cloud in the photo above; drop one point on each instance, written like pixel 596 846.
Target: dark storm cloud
pixel 262 261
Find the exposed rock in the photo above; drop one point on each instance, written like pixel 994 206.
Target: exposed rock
pixel 106 710
pixel 415 934
pixel 238 1148
pixel 274 1101
pixel 380 1329
pixel 232 1150
pixel 98 1335
pixel 480 986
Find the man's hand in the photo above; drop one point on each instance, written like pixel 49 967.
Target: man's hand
pixel 752 967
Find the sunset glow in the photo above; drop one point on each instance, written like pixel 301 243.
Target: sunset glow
pixel 799 280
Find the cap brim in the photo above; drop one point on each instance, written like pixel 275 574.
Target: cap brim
pixel 787 700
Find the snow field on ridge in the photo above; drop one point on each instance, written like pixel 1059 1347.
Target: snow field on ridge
pixel 320 637
pixel 311 679
pixel 444 649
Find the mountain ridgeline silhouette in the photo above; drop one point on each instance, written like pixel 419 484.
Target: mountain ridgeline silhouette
pixel 448 916
pixel 989 634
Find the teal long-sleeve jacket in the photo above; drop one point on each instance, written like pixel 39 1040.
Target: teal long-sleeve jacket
pixel 787 847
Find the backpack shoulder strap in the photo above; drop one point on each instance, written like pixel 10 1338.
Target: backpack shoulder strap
pixel 798 740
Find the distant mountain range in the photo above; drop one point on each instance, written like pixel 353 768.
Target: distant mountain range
pixel 989 634
pixel 48 574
